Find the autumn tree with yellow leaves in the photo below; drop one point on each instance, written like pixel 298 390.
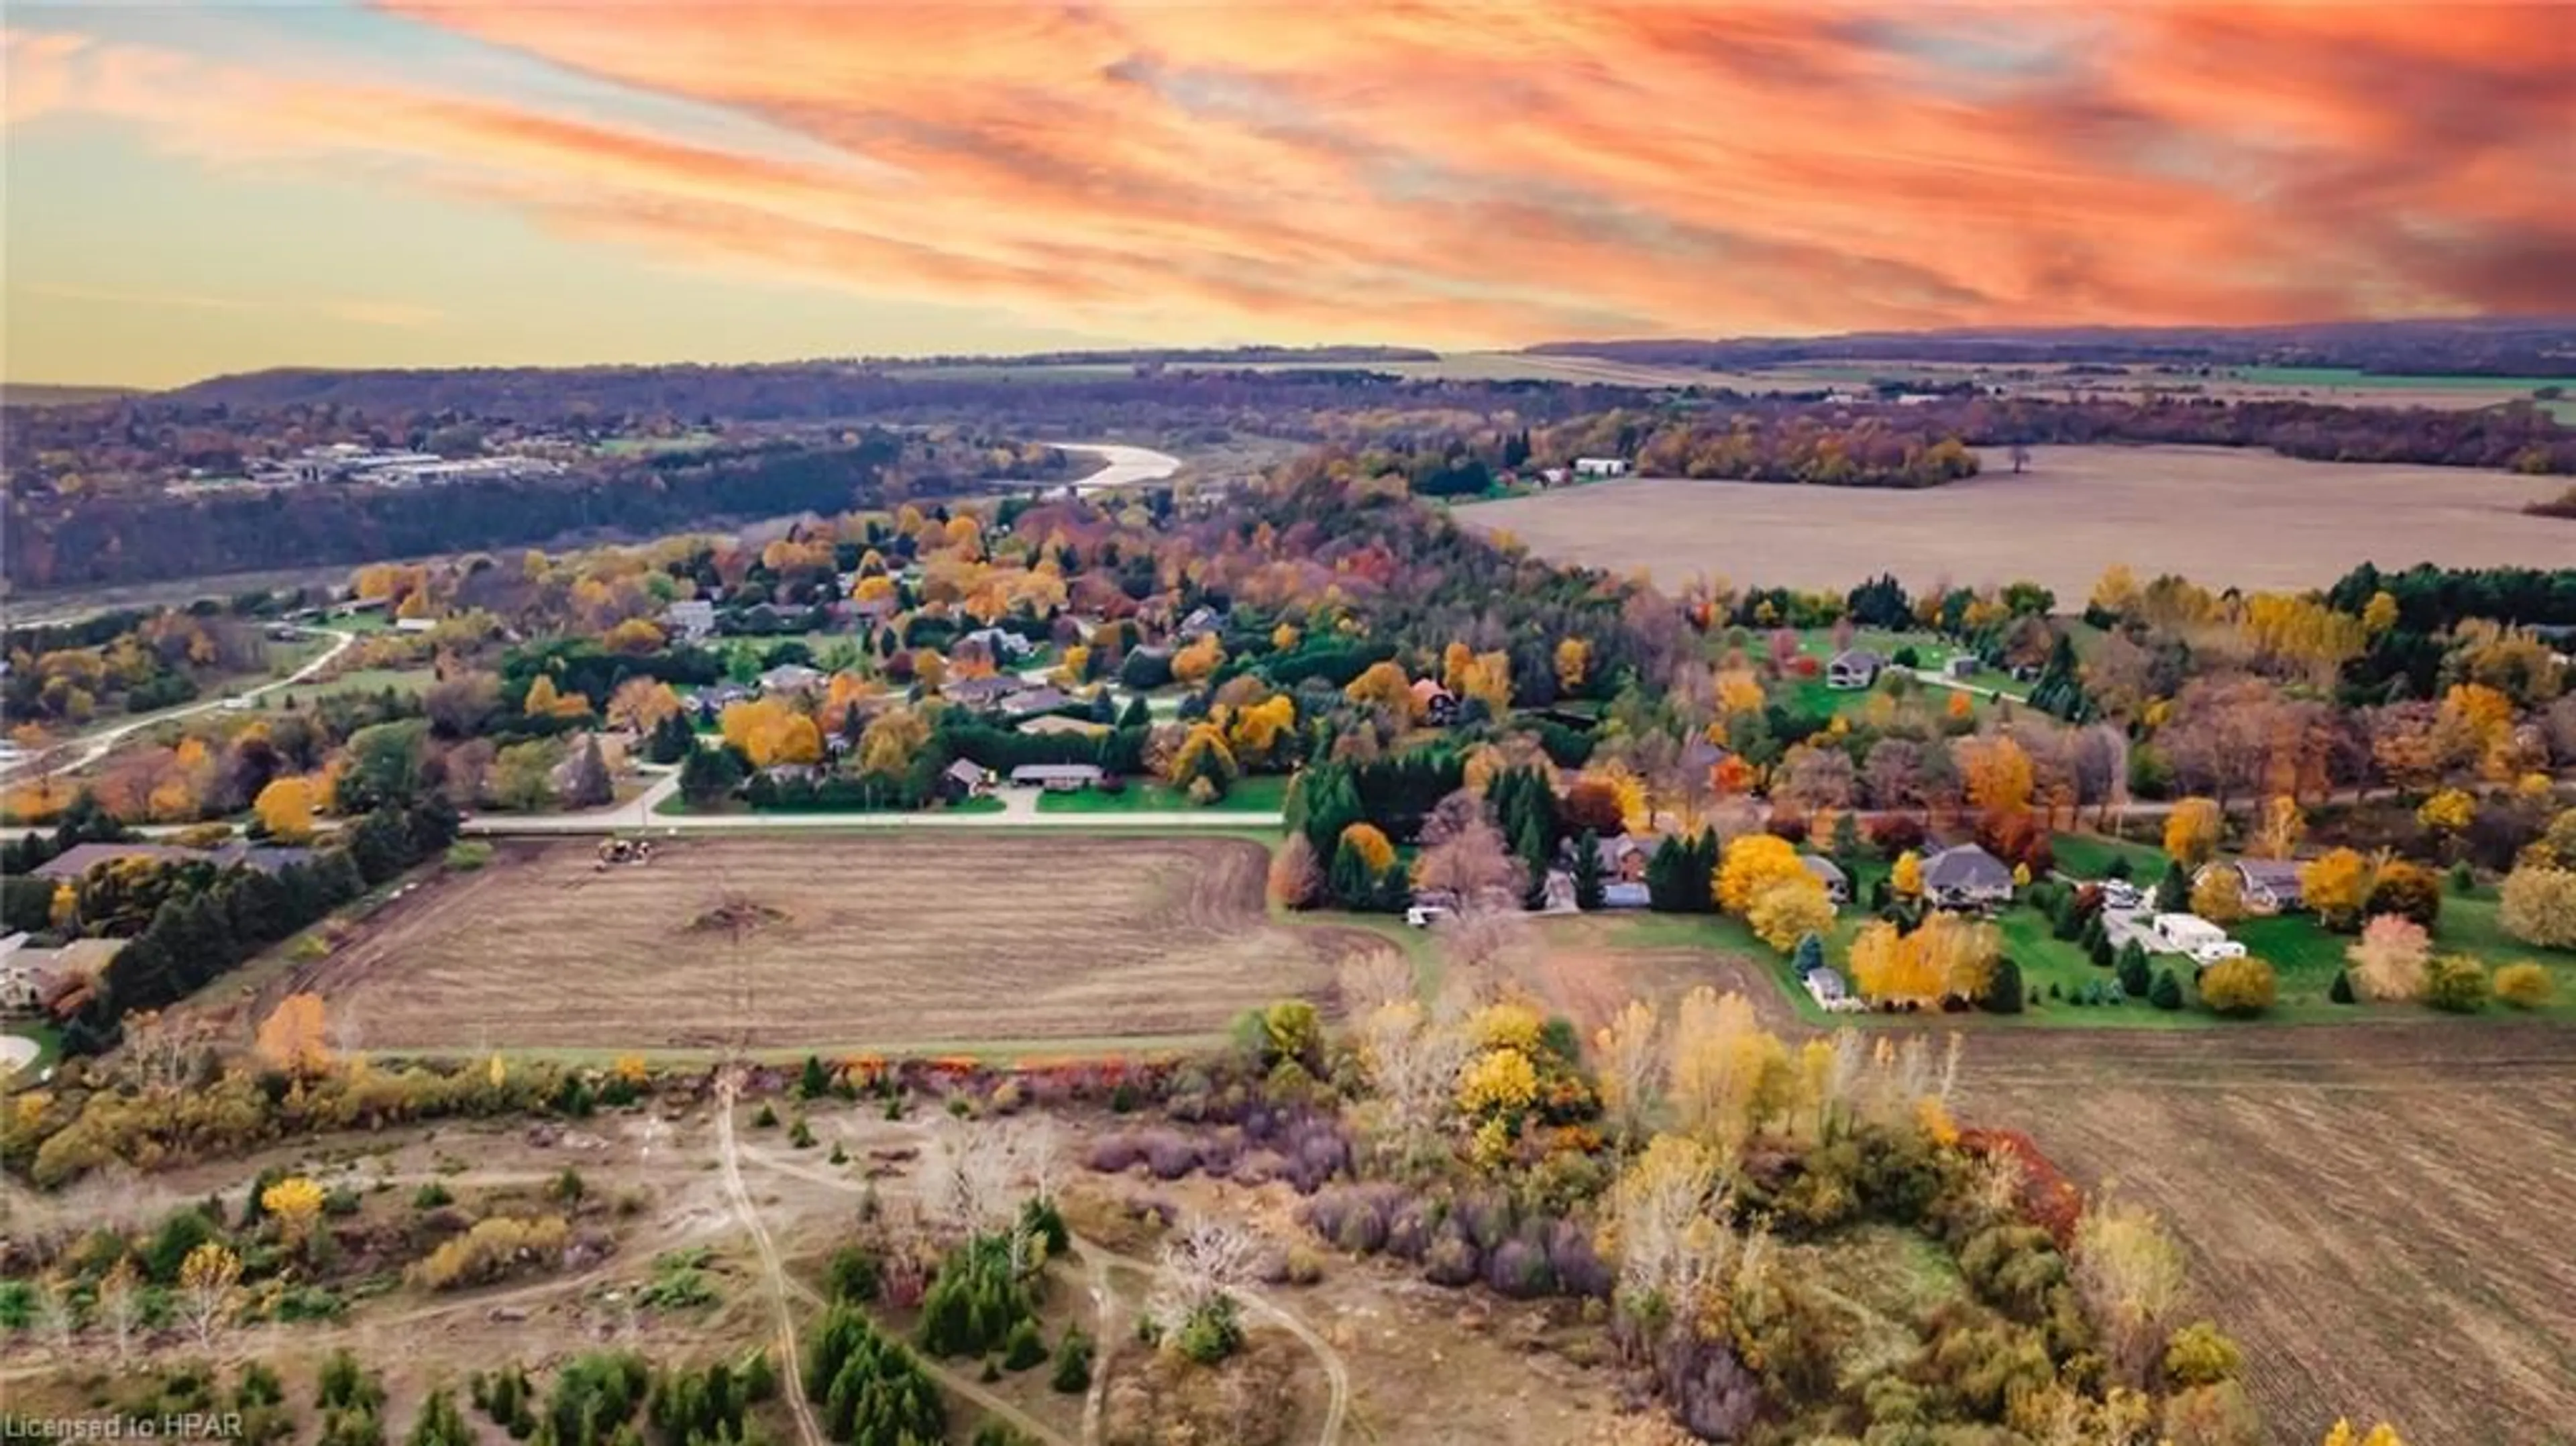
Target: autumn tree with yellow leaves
pixel 1949 955
pixel 293 1039
pixel 2192 831
pixel 1752 864
pixel 769 732
pixel 285 809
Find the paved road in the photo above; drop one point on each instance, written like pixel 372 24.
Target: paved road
pixel 1019 811
pixel 84 751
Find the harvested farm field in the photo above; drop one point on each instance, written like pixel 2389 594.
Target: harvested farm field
pixel 849 942
pixel 2377 1214
pixel 2219 516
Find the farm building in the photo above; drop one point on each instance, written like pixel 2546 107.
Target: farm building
pixel 1436 704
pixel 2270 886
pixel 1830 874
pixel 1057 777
pixel 791 678
pixel 1853 668
pixel 1000 644
pixel 1600 466
pixel 1966 877
pixel 690 619
pixel 981 692
pixel 1963 665
pixel 965 778
pixel 2191 934
pixel 1624 856
pixel 42 981
pixel 1827 988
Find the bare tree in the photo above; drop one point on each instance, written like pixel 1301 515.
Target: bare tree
pixel 1201 1262
pixel 1466 857
pixel 966 1182
pixel 1631 1051
pixel 54 1317
pixel 1371 977
pixel 120 1307
pixel 1890 769
pixel 1414 1060
pixel 1482 941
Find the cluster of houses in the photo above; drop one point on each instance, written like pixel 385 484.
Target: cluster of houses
pixel 349 462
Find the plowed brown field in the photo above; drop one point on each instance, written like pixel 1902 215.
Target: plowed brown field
pixel 2380 1215
pixel 877 942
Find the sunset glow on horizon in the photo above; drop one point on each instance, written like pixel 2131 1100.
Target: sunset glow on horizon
pixel 196 188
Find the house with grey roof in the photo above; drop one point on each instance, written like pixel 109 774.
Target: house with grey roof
pixel 1966 877
pixel 2269 886
pixel 1853 668
pixel 1830 874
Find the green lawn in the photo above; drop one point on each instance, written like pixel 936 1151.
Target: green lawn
pixel 361 680
pixel 49 1048
pixel 2306 958
pixel 1931 650
pixel 2089 856
pixel 1263 793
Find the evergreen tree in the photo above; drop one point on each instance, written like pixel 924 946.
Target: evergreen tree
pixel 1588 882
pixel 586 782
pixel 1810 955
pixel 2167 991
pixel 2132 968
pixel 2341 992
pixel 2173 891
pixel 2003 988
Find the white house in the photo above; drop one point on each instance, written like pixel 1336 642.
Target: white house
pixel 2190 934
pixel 1600 466
pixel 691 618
pixel 791 678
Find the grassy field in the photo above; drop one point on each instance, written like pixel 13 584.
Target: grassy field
pixel 359 680
pixel 2147 507
pixel 2357 379
pixel 1259 794
pixel 950 940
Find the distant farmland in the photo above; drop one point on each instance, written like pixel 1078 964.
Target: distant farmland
pixel 2219 516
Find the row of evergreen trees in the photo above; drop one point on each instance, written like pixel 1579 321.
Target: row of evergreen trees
pixel 198 933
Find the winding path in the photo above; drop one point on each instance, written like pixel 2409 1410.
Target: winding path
pixel 791 1367
pixel 90 748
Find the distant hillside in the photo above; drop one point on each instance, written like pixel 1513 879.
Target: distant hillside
pixel 37 394
pixel 1175 356
pixel 2499 347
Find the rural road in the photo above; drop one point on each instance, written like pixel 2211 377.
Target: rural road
pixel 1019 810
pixel 95 746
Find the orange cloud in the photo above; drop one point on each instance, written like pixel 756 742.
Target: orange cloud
pixel 1497 171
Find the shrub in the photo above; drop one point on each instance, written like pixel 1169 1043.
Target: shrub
pixel 2409 889
pixel 2200 1354
pixel 854 1275
pixel 2340 991
pixel 2455 984
pixel 467 855
pixel 801 1134
pixel 431 1196
pixel 1211 1332
pixel 494 1249
pixel 1072 1374
pixel 2388 961
pixel 2239 988
pixel 2524 986
pixel 2464 879
pixel 766 1118
pixel 1024 1347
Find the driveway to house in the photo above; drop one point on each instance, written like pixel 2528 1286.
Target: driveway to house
pixel 1128 466
pixel 93 747
pixel 1019 810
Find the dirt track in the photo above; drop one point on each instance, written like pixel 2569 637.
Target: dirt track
pixel 2378 1214
pixel 860 942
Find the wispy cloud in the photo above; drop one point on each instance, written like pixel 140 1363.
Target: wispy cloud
pixel 384 313
pixel 1483 171
pixel 154 300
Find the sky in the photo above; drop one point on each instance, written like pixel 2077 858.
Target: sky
pixel 193 189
